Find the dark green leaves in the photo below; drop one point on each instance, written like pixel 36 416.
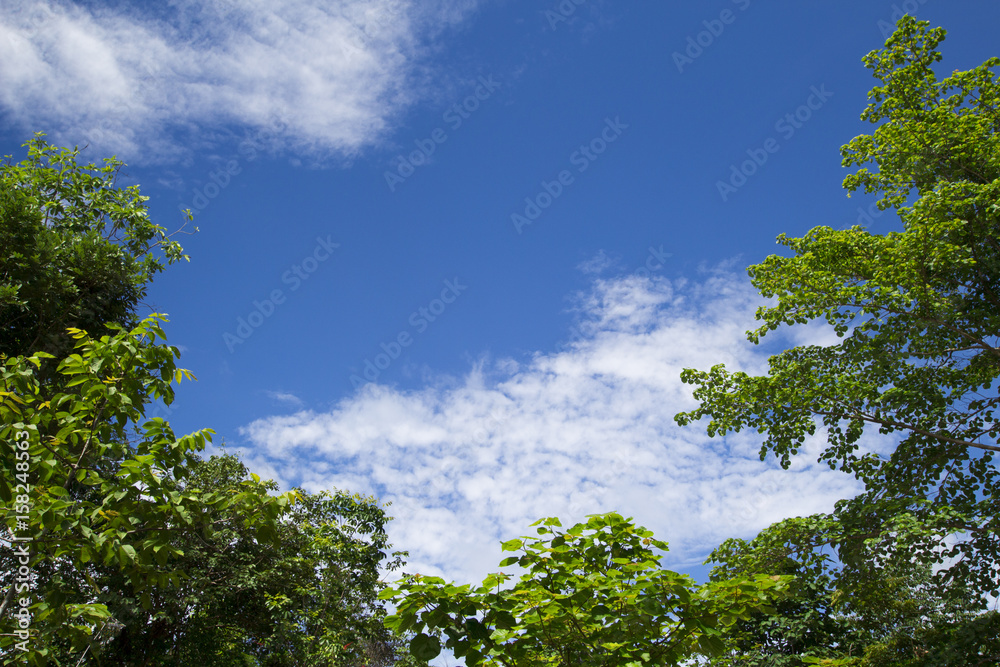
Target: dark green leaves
pixel 424 647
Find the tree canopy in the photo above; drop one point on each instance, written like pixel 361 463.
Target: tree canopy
pixel 79 251
pixel 593 594
pixel 305 598
pixel 918 312
pixel 853 614
pixel 122 545
pixel 94 487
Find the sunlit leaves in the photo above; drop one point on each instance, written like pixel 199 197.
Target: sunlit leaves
pixel 79 249
pixel 593 594
pixel 918 316
pixel 97 491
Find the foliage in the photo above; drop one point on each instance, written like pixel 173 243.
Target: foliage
pixel 806 622
pixel 78 249
pixel 918 312
pixel 94 491
pixel 307 598
pixel 138 551
pixel 842 614
pixel 591 595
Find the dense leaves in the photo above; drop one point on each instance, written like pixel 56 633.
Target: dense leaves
pixel 919 314
pixel 120 544
pixel 306 598
pixel 143 553
pixel 78 251
pixel 96 489
pixel 593 594
pixel 803 624
pixel 849 613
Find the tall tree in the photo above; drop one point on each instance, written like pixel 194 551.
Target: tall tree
pixel 918 312
pixel 804 624
pixel 120 544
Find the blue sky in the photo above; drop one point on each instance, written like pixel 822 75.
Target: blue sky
pixel 520 219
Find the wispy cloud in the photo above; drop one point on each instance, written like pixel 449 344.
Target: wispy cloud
pixel 597 264
pixel 150 83
pixel 583 430
pixel 285 397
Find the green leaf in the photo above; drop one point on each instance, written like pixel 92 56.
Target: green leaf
pixel 424 647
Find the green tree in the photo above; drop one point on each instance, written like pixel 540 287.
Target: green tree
pixel 593 594
pixel 121 545
pixel 92 487
pixel 307 598
pixel 78 250
pixel 918 312
pixel 806 623
pixel 902 620
pixel 841 614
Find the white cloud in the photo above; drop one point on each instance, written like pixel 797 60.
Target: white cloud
pixel 284 397
pixel 587 429
pixel 151 83
pixel 597 264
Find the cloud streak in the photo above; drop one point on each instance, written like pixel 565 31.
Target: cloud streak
pixel 152 84
pixel 586 429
